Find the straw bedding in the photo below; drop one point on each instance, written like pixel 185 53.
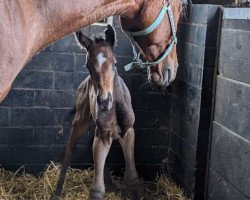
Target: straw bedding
pixel 22 186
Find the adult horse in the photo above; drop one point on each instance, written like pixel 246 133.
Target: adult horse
pixel 28 26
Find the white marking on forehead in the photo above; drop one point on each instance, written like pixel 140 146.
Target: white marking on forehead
pixel 101 58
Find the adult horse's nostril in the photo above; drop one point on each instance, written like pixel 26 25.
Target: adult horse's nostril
pixel 155 77
pixel 167 77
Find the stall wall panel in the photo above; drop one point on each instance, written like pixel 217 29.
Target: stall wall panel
pixel 229 162
pixel 233 62
pixel 221 189
pixel 230 157
pixel 232 108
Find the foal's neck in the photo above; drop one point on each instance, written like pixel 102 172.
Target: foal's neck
pixel 117 90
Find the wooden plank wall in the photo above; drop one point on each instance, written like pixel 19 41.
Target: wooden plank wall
pixel 229 172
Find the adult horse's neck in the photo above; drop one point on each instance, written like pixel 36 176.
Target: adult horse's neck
pixel 28 26
pixel 65 16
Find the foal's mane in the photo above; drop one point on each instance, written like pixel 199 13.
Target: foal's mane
pixel 99 39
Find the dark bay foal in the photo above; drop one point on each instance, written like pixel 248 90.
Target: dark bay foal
pixel 103 97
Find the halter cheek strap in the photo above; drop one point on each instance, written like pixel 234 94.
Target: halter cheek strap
pixel 137 62
pixel 153 26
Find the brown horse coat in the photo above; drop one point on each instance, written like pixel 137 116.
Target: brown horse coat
pixel 114 122
pixel 104 97
pixel 27 26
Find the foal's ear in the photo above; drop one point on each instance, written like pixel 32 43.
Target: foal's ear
pixel 83 40
pixel 110 35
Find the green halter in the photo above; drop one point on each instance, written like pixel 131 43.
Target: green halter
pixel 137 62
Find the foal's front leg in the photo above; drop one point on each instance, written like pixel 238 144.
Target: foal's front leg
pixel 101 147
pixel 131 176
pixel 79 127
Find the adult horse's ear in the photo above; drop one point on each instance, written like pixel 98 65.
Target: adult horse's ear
pixel 110 35
pixel 83 40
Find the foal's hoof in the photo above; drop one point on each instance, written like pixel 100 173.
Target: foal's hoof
pixel 54 197
pixel 95 194
pixel 133 189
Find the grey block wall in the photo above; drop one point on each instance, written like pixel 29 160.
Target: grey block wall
pixel 229 172
pixel 172 126
pixel 35 118
pixel 192 98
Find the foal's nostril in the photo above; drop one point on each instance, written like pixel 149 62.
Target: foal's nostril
pixel 109 97
pixel 105 104
pixel 99 100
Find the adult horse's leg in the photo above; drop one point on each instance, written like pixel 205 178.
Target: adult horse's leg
pixel 101 147
pixel 80 126
pixel 130 177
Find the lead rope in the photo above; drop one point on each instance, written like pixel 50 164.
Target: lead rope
pixel 136 56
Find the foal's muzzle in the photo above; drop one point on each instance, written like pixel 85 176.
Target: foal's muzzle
pixel 105 104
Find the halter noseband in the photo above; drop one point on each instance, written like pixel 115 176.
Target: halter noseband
pixel 137 62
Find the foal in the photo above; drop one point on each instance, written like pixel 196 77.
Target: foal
pixel 104 97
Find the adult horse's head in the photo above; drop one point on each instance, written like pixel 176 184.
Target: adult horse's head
pixel 154 31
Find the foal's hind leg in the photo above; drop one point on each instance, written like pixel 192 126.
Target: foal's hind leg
pixel 108 180
pixel 80 126
pixel 130 177
pixel 101 149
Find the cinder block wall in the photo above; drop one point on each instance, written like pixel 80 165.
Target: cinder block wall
pixel 229 172
pixel 192 98
pixel 35 118
pixel 171 125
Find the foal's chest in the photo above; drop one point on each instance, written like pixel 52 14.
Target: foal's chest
pixel 113 122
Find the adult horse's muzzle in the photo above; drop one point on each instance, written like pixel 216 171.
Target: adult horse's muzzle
pixel 105 103
pixel 162 76
pixel 166 74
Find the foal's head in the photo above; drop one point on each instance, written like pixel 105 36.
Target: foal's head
pixel 101 65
